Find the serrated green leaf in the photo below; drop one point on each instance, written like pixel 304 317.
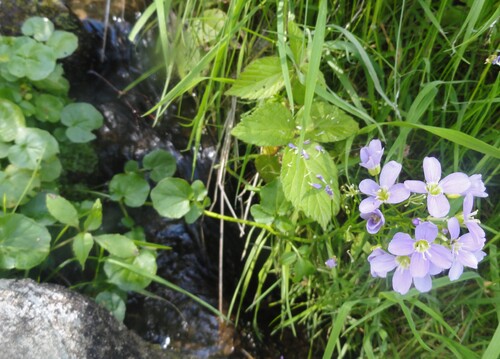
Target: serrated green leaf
pixel 63 43
pixel 268 125
pixel 171 197
pixel 127 279
pixel 297 176
pixel 82 244
pixel 62 210
pixel 94 218
pixel 31 146
pixel 131 187
pixel 23 242
pixel 40 28
pixel 261 79
pixel 161 164
pixel 328 123
pixel 11 119
pixel 118 245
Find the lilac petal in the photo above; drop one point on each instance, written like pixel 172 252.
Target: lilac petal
pixel 375 221
pixel 389 174
pixel 454 227
pixel 419 265
pixel 467 205
pixel 456 271
pixel 401 244
pixel 479 255
pixel 475 229
pixel 455 183
pixel 438 206
pixel 369 204
pixel 440 256
pixel 432 170
pixel 469 243
pixel 427 231
pixel 398 193
pixel 383 263
pixel 423 284
pixel 433 269
pixel 467 259
pixel 415 186
pixel 369 187
pixel 376 252
pixel 401 281
pixel 375 146
pixel 477 188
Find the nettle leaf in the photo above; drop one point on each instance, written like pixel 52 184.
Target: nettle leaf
pixel 81 119
pixel 23 242
pixel 82 244
pixel 268 125
pixel 127 279
pixel 11 119
pixel 298 176
pixel 112 302
pixel 171 197
pixel 328 123
pixel 31 146
pixel 118 245
pixel 63 43
pixel 48 108
pixel 17 185
pixel 261 79
pixel 62 210
pixel 161 164
pixel 31 59
pixel 131 187
pixel 94 218
pixel 38 27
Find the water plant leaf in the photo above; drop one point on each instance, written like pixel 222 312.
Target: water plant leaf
pixel 62 210
pixel 161 164
pixel 131 187
pixel 171 197
pixel 118 245
pixel 112 302
pixel 298 176
pixel 31 146
pixel 261 79
pixel 31 59
pixel 82 244
pixel 81 119
pixel 269 125
pixel 40 28
pixel 48 108
pixel 50 169
pixel 12 119
pixel 36 209
pixel 63 43
pixel 94 218
pixel 199 190
pixel 328 123
pixel 54 82
pixel 127 279
pixel 23 242
pixel 17 185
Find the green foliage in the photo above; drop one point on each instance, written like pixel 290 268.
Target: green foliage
pixel 81 119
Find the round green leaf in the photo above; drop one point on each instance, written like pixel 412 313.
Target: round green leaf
pixel 17 185
pixel 54 82
pixel 23 242
pixel 11 119
pixel 40 28
pixel 117 245
pixel 127 279
pixel 64 43
pixel 112 302
pixel 161 163
pixel 79 135
pixel 62 210
pixel 36 209
pixel 32 145
pixel 31 59
pixel 50 169
pixel 48 108
pixel 81 118
pixel 171 197
pixel 130 187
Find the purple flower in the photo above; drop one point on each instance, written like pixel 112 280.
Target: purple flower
pixel 426 257
pixel 331 262
pixel 466 250
pixel 477 188
pixel 375 221
pixel 436 188
pixel 381 263
pixel 470 222
pixel 386 192
pixel 371 156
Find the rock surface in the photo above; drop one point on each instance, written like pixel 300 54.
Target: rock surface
pixel 49 321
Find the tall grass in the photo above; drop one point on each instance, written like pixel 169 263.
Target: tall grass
pixel 412 73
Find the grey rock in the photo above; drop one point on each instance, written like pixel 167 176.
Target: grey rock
pixel 49 321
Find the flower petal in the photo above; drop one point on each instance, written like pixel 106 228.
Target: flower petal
pixel 369 204
pixel 401 281
pixel 390 173
pixel 440 256
pixel 383 263
pixel 433 269
pixel 427 231
pixel 416 186
pixel 456 270
pixel 467 259
pixel 455 183
pixel 475 229
pixel 419 265
pixel 432 170
pixel 423 284
pixel 398 193
pixel 469 243
pixel 479 255
pixel 369 187
pixel 454 227
pixel 401 244
pixel 438 206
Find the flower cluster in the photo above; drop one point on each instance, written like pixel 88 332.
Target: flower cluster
pixel 437 244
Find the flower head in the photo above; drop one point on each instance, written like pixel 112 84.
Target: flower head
pixel 374 221
pixel 331 262
pixel 477 188
pixel 470 222
pixel 436 188
pixel 371 156
pixel 387 192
